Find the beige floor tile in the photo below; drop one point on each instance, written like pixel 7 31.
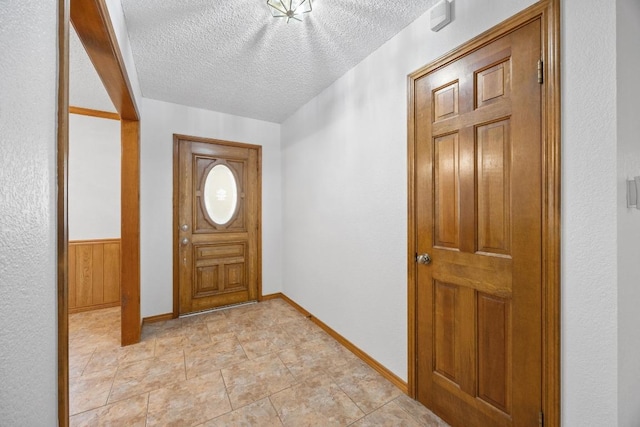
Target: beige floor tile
pixel 343 355
pixel 280 306
pixel 94 319
pixel 424 416
pixel 130 412
pixel 170 344
pixel 367 388
pixel 191 335
pixel 316 402
pixel 241 310
pixel 193 319
pixel 210 358
pixel 302 330
pixel 188 403
pixel 264 341
pixel 257 414
pixel 219 337
pixel 255 379
pixel 254 321
pixel 111 358
pixel 283 316
pixel 209 315
pixel 147 375
pixel 219 325
pixel 312 358
pixel 390 415
pixel 86 343
pixel 90 391
pixel 77 363
pixel 197 334
pixel 162 329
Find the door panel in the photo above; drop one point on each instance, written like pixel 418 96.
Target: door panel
pixel 218 259
pixel 478 215
pixel 446 191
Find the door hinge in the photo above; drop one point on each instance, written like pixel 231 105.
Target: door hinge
pixel 541 419
pixel 540 72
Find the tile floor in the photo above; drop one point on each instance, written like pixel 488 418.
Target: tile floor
pixel 256 365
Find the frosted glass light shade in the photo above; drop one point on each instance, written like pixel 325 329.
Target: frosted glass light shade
pixel 289 9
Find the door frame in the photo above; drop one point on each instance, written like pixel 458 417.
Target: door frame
pixel 548 11
pixel 176 223
pixel 95 30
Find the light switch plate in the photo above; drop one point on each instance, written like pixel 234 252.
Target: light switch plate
pixel 633 191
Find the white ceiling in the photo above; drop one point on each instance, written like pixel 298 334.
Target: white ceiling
pixel 233 57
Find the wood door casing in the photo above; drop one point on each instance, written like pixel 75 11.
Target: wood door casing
pixel 478 213
pixel 220 265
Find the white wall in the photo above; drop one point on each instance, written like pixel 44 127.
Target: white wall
pixel 160 120
pixel 589 209
pixel 628 64
pixel 94 178
pixel 345 192
pixel 28 336
pixel 344 180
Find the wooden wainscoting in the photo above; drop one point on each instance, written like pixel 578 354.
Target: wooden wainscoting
pixel 94 274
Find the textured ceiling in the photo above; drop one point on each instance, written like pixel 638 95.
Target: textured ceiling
pixel 85 87
pixel 233 57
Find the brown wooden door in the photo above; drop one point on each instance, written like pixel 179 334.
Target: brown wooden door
pixel 478 215
pixel 217 221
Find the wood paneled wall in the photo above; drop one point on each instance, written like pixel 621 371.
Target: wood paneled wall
pixel 94 274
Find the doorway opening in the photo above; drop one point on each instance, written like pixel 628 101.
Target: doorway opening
pixel 94 210
pixel 92 23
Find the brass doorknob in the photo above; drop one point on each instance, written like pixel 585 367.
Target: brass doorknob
pixel 424 259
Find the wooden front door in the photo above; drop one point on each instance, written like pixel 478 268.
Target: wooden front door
pixel 217 210
pixel 478 216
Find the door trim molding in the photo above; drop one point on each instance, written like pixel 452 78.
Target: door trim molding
pixel 176 224
pixel 548 11
pixel 93 113
pixel 62 229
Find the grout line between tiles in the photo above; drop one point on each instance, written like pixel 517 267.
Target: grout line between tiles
pixel 146 415
pixel 274 408
pixel 113 381
pixel 88 361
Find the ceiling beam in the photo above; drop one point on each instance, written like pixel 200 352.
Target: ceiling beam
pixel 90 18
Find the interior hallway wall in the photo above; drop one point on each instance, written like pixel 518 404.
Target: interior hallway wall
pixel 94 178
pixel 344 180
pixel 628 64
pixel 345 191
pixel 28 105
pixel 589 214
pixel 160 120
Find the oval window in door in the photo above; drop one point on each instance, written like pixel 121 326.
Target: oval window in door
pixel 220 194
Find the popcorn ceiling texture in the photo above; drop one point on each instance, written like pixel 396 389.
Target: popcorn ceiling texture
pixel 233 57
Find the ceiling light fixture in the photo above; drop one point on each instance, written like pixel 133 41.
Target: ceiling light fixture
pixel 290 9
